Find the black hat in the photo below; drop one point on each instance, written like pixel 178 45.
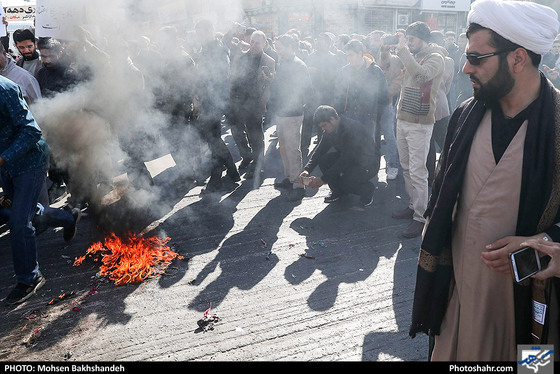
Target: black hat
pixel 420 30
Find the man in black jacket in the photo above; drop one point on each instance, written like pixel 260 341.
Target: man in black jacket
pixel 211 97
pixel 353 163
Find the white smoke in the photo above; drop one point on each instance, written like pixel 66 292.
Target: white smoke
pixel 121 116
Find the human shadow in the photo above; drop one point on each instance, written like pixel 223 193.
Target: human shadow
pixel 338 241
pixel 244 258
pixel 398 345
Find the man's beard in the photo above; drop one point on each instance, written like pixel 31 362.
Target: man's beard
pixel 497 87
pixel 32 56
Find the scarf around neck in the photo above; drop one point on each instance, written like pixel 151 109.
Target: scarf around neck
pixel 538 207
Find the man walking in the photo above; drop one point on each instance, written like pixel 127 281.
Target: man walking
pixel 23 167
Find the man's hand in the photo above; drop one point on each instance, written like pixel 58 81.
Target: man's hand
pixel 497 257
pixel 402 41
pixel 314 181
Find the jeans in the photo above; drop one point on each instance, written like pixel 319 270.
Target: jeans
pixel 24 192
pixel 388 131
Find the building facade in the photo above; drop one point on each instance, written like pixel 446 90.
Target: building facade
pixel 354 16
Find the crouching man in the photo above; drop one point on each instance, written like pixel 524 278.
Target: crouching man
pixel 346 155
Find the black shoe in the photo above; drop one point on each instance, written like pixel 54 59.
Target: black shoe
pixel 245 162
pixel 228 184
pixel 332 197
pixel 406 213
pixel 414 229
pixel 366 200
pixel 22 292
pixel 70 231
pixel 57 192
pixel 283 184
pixel 296 194
pixel 233 176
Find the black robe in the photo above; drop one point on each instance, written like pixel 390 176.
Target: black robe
pixel 538 211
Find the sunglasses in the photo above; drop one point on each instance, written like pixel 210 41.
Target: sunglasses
pixel 475 59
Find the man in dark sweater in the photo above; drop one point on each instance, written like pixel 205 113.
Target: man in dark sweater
pixel 354 161
pixel 56 75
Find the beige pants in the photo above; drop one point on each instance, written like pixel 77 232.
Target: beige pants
pixel 413 143
pixel 289 141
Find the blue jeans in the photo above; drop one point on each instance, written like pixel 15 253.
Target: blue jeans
pixel 388 131
pixel 24 191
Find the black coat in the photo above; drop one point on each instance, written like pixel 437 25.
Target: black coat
pixel 355 146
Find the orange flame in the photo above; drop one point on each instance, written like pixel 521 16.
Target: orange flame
pixel 133 259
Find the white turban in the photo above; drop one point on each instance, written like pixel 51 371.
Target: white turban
pixel 531 25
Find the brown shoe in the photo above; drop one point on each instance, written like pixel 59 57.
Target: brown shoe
pixel 414 229
pixel 403 214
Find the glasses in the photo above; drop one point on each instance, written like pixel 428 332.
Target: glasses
pixel 475 59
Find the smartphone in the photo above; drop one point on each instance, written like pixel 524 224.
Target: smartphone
pixel 306 180
pixel 391 40
pixel 525 262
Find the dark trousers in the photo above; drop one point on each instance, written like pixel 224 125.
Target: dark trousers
pixel 354 180
pixel 438 138
pixel 210 130
pixel 247 131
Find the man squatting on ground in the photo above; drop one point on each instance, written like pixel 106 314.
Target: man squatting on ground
pixel 354 161
pixel 496 188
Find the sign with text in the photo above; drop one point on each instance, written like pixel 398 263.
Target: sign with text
pixel 447 5
pixel 58 18
pixel 18 13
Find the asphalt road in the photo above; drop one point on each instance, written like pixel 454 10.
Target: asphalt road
pixel 348 298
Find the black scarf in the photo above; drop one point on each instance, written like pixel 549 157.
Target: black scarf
pixel 435 266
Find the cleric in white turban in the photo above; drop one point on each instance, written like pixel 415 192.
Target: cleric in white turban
pixel 530 25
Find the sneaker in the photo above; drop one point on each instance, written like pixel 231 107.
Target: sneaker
pixel 296 194
pixel 392 173
pixel 403 214
pixel 22 292
pixel 332 197
pixel 70 231
pixel 283 184
pixel 414 229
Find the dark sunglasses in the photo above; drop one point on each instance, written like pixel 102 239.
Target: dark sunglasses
pixel 474 58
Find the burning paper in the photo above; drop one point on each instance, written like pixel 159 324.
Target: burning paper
pixel 132 259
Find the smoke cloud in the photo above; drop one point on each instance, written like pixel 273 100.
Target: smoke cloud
pixel 129 110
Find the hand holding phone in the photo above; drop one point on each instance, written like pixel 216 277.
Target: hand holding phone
pixel 525 263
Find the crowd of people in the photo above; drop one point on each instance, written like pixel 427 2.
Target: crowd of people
pixel 405 95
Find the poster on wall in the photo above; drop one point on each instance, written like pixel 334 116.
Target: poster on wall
pixel 58 18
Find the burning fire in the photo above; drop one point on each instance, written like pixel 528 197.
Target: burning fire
pixel 132 259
